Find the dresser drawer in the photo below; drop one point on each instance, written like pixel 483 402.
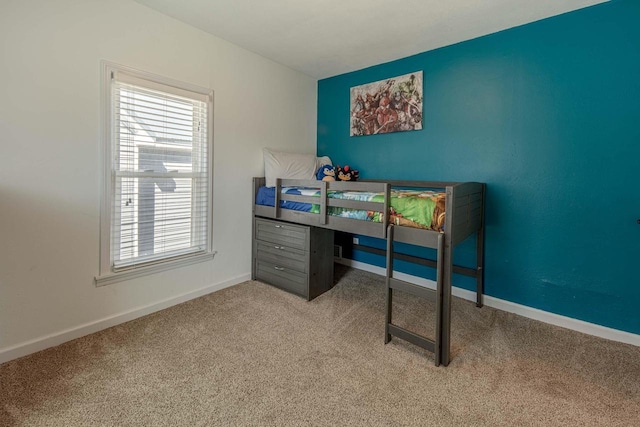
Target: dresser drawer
pixel 282 277
pixel 281 249
pixel 282 256
pixel 289 235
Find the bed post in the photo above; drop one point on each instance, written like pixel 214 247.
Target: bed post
pixel 389 300
pixel 480 254
pixel 439 288
pixel 323 202
pixel 447 273
pixel 257 183
pixel 278 195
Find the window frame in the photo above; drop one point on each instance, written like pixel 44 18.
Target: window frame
pixel 107 272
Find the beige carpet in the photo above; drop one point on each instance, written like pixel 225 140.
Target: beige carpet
pixel 254 355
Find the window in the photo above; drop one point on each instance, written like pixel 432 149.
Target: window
pixel 156 211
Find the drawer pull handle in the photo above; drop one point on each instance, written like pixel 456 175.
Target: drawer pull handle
pixel 279 268
pixel 278 247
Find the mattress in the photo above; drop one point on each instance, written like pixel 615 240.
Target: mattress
pixel 412 208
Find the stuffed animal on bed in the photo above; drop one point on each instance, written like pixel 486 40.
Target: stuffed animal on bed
pixel 346 173
pixel 326 173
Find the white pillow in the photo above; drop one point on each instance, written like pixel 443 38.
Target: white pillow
pixel 321 161
pixel 278 164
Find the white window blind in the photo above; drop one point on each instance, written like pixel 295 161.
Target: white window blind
pixel 160 172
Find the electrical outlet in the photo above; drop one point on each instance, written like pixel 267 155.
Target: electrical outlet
pixel 337 251
pixel 356 241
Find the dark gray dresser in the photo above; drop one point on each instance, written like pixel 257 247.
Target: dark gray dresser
pixel 293 257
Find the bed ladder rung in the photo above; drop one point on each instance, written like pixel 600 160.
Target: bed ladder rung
pixel 412 337
pixel 413 289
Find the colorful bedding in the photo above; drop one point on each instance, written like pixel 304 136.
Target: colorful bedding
pixel 411 208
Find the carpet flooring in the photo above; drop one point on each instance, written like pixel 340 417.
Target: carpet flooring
pixel 254 355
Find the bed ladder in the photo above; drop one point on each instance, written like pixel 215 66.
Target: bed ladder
pixel 432 345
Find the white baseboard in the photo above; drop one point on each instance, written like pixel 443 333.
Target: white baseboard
pixel 57 338
pixel 510 307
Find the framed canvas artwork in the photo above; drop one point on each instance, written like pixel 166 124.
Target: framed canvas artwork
pixel 391 105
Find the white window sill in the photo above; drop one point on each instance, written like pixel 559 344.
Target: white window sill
pixel 110 278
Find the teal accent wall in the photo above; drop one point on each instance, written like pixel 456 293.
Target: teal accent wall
pixel 548 115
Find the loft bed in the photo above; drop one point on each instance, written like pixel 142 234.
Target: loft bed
pixel 463 216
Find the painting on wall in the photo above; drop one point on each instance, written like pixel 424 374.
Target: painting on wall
pixel 385 106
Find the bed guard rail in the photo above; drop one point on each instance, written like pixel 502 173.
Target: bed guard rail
pixel 324 201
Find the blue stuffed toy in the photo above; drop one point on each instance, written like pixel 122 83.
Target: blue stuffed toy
pixel 326 173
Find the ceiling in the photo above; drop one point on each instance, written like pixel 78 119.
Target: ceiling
pixel 324 38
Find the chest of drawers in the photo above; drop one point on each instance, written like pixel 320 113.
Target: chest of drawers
pixel 293 257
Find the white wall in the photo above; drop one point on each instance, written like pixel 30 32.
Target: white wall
pixel 50 53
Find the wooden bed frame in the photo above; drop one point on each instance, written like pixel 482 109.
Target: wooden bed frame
pixel 464 216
